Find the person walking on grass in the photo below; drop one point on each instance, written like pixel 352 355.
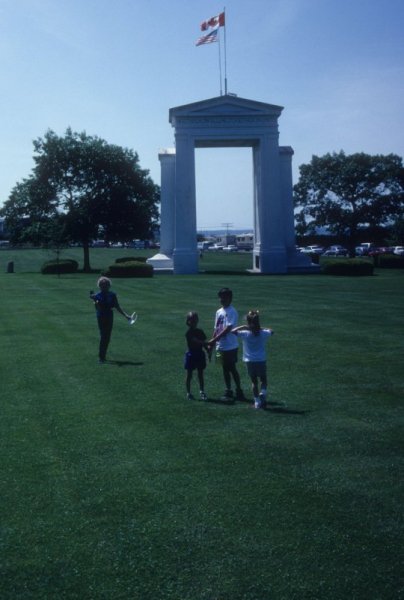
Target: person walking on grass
pixel 195 356
pixel 254 339
pixel 226 342
pixel 105 301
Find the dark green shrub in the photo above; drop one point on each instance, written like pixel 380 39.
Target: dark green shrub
pixel 126 259
pixel 350 266
pixel 390 261
pixel 315 258
pixel 66 265
pixel 129 269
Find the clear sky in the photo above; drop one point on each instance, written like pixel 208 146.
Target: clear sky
pixel 115 68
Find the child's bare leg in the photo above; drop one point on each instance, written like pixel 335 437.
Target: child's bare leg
pixel 263 393
pixel 236 377
pixel 188 381
pixel 254 386
pixel 202 394
pixel 227 377
pixel 201 380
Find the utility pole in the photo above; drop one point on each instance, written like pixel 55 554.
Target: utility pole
pixel 227 225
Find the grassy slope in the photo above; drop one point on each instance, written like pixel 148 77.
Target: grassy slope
pixel 113 486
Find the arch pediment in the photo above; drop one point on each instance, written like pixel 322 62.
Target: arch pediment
pixel 223 106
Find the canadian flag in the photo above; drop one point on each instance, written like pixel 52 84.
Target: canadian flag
pixel 217 21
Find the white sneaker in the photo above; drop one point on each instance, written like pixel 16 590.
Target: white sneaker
pixel 257 403
pixel 203 396
pixel 190 397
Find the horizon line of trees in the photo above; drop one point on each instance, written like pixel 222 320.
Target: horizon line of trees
pixel 347 193
pixel 82 188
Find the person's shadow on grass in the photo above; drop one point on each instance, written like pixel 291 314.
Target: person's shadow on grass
pixel 125 363
pixel 230 402
pixel 276 407
pixel 272 407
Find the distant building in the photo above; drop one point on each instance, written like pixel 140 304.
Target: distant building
pixel 245 241
pixel 225 239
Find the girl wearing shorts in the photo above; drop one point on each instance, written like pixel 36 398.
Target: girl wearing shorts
pixel 254 339
pixel 195 356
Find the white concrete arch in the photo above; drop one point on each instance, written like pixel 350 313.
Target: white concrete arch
pixel 228 121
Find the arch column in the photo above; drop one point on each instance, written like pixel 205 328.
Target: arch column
pixel 269 253
pixel 185 253
pixel 285 156
pixel 295 260
pixel 167 201
pixel 163 261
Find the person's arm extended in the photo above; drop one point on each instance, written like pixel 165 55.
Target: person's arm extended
pixel 198 342
pixel 217 337
pixel 120 310
pixel 239 328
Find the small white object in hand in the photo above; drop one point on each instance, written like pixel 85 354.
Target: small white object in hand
pixel 133 318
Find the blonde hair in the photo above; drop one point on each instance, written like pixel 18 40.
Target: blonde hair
pixel 253 320
pixel 104 280
pixel 191 316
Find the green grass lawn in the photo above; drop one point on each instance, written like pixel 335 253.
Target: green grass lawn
pixel 114 486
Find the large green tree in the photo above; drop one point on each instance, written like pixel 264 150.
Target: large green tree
pixel 346 193
pixel 86 188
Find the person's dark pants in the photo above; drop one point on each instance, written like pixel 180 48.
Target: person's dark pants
pixel 229 361
pixel 105 323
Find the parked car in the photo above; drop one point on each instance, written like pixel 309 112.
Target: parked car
pixel 313 249
pixel 216 247
pixel 399 250
pixel 99 244
pixel 230 248
pixel 336 250
pixel 381 250
pixel 364 248
pixel 204 245
pixel 138 244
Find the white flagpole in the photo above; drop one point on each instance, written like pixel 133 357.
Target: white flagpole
pixel 225 53
pixel 220 63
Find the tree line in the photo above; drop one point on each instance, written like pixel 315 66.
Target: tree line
pixel 82 188
pixel 348 194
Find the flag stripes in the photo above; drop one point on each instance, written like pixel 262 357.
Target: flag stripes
pixel 208 38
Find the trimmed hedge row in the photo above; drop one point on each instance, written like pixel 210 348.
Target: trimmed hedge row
pixel 129 269
pixel 389 261
pixel 125 259
pixel 56 267
pixel 352 267
pixel 314 257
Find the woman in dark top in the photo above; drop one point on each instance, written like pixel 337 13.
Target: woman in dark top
pixel 105 301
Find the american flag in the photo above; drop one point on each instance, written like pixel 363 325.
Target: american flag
pixel 209 38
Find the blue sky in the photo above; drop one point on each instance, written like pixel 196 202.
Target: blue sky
pixel 114 69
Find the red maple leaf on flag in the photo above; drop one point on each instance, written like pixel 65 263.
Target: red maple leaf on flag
pixel 218 20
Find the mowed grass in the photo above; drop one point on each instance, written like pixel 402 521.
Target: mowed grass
pixel 114 486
